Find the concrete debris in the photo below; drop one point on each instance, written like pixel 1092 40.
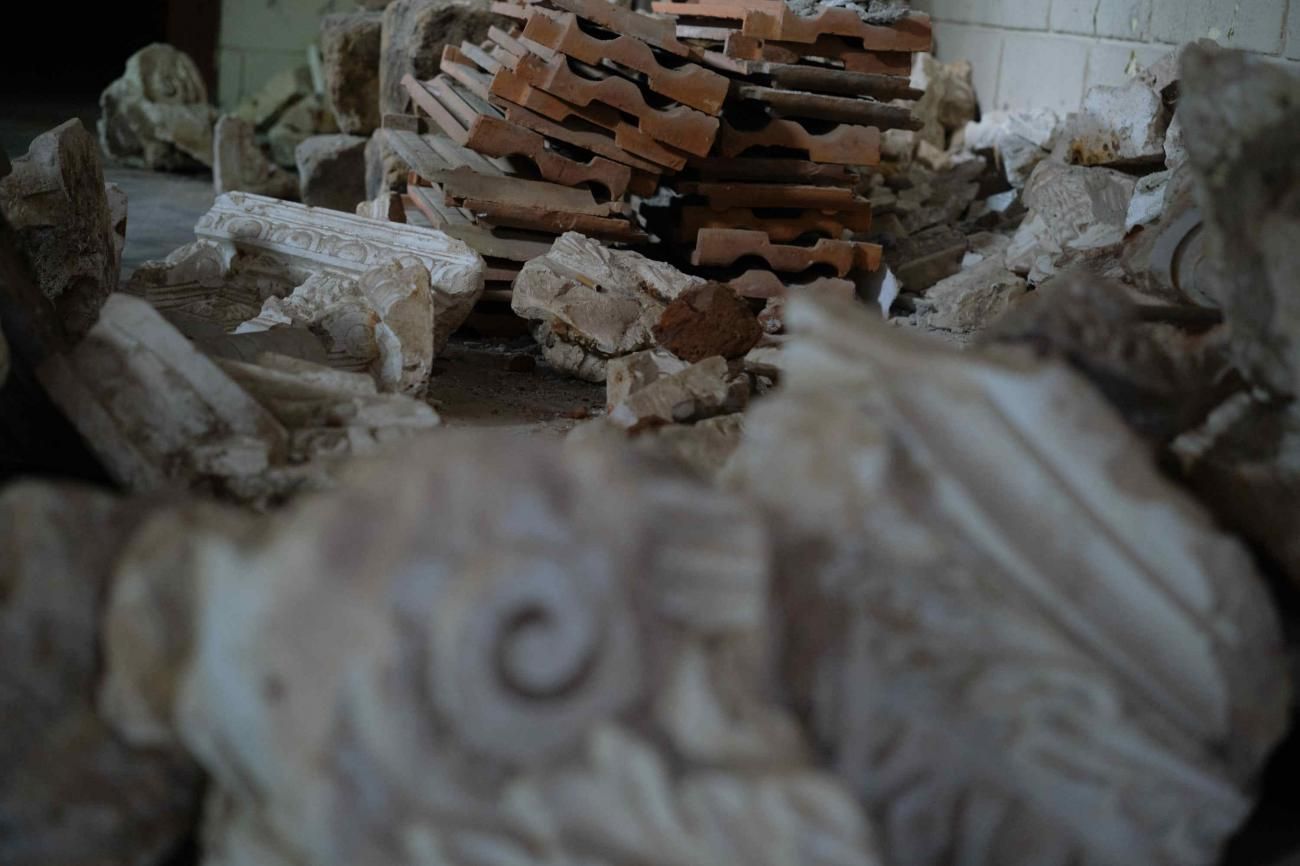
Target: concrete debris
pixel 1148 202
pixel 154 410
pixel 1072 209
pixel 349 44
pixel 1242 120
pixel 414 33
pixel 332 171
pixel 72 791
pixel 949 103
pixel 1121 125
pixel 328 413
pixel 276 96
pixel 701 447
pixel 879 13
pixel 381 323
pixel 239 165
pixel 56 202
pixel 705 321
pixel 1175 144
pixel 975 297
pixel 1021 140
pixel 1162 375
pixel 157 115
pixel 160 414
pixel 648 388
pixel 588 303
pixel 916 589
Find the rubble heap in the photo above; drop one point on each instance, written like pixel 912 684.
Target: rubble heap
pixel 755 131
pixel 774 205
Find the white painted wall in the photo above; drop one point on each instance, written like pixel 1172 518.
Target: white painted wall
pixel 260 38
pixel 1047 53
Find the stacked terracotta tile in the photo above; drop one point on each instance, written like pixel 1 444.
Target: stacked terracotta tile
pixel 754 117
pixel 774 205
pixel 551 124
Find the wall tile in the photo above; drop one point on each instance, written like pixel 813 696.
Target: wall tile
pixel 1115 19
pixel 1255 25
pixel 1042 71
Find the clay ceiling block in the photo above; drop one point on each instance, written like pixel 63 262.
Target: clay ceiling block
pixel 818 106
pixel 679 126
pixel 689 84
pixel 723 196
pixel 842 145
pixel 778 228
pixel 722 247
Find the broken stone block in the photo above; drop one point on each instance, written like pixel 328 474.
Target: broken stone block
pixel 277 246
pixel 707 320
pixel 414 33
pixel 1021 140
pixel 973 298
pixel 328 413
pixel 702 447
pixel 649 388
pixel 772 319
pixel 597 646
pixel 386 169
pixel 1148 201
pixel 949 102
pixel 588 303
pixel 936 514
pixel 117 213
pixel 1175 144
pixel 387 206
pixel 1119 125
pixel 279 93
pixel 1244 463
pixel 147 402
pixel 332 171
pixel 1242 120
pixel 197 291
pixel 921 260
pixel 631 373
pixel 71 791
pixel 303 119
pixel 1161 378
pixel 349 44
pixel 239 165
pixel 381 323
pixel 157 115
pixel 57 205
pixel 1072 209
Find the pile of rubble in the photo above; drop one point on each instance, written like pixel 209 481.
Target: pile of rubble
pixel 774 206
pixel 965 550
